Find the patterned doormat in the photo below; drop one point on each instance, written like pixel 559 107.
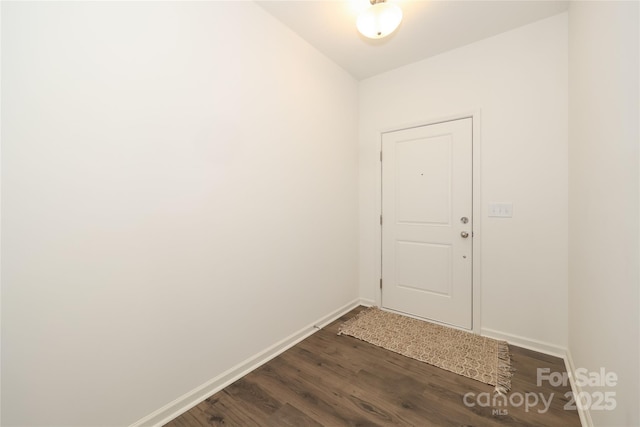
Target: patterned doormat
pixel 479 358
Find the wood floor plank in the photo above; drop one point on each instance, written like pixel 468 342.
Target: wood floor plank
pixel 360 400
pixel 288 415
pixel 330 406
pixel 254 396
pixel 330 380
pixel 218 410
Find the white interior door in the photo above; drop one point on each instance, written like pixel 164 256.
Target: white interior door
pixel 427 222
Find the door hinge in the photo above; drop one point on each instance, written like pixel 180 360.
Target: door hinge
pixel 381 283
pixel 380 219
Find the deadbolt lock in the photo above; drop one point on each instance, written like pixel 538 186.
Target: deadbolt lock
pixel 464 220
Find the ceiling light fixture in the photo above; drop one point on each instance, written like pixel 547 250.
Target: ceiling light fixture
pixel 379 20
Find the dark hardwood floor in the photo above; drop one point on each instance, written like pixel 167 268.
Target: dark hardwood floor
pixel 331 380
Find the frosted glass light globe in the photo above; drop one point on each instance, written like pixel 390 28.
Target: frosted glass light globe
pixel 380 20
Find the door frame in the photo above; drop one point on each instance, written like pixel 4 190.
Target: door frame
pixel 476 202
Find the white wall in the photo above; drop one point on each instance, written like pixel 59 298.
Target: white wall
pixel 518 80
pixel 179 192
pixel 603 209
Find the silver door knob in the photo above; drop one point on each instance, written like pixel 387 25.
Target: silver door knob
pixel 464 234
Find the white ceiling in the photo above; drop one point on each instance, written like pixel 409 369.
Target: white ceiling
pixel 428 28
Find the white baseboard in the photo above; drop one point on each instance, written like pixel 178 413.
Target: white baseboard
pixel 206 390
pixel 531 344
pixel 367 302
pixel 585 415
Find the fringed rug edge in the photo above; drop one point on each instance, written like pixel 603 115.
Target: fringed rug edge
pixel 504 369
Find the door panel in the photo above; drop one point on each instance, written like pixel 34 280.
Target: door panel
pixel 424 267
pixel 433 183
pixel 426 190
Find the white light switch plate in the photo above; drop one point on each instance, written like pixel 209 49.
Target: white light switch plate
pixel 501 210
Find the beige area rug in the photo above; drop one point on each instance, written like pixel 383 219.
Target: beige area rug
pixel 479 358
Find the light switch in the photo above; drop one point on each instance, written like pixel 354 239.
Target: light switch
pixel 501 210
